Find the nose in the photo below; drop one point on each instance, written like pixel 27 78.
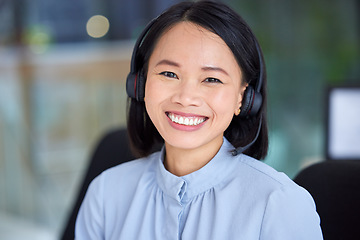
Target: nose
pixel 187 93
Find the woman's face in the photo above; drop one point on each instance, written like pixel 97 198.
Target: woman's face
pixel 193 87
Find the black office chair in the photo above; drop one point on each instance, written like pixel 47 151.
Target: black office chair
pixel 112 150
pixel 335 187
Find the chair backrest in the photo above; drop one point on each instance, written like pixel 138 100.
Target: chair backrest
pixel 335 187
pixel 112 149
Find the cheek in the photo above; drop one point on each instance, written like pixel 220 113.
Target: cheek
pixel 224 104
pixel 151 91
pixel 154 95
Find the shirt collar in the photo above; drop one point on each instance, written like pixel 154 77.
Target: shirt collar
pixel 186 187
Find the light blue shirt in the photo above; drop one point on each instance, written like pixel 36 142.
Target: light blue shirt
pixel 229 198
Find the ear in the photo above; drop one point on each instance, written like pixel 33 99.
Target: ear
pixel 240 98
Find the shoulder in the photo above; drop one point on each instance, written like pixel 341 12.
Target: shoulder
pixel 286 205
pixel 267 183
pixel 116 187
pixel 260 173
pixel 124 177
pixel 110 194
pixel 129 171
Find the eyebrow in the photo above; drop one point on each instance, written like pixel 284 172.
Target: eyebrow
pixel 207 68
pixel 217 69
pixel 168 62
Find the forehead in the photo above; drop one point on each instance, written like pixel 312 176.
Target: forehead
pixel 190 33
pixel 190 29
pixel 190 42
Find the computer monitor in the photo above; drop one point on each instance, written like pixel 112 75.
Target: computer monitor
pixel 343 123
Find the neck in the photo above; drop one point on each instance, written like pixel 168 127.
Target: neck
pixel 181 162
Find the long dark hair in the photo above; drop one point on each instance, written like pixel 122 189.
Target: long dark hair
pixel 226 23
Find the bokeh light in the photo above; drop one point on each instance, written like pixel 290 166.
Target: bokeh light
pixel 38 38
pixel 97 26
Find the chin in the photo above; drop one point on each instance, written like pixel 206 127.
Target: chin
pixel 182 143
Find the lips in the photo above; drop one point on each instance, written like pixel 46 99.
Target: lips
pixel 186 120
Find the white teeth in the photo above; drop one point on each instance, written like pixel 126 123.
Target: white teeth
pixel 188 121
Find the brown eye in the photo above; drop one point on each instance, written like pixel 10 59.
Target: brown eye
pixel 213 80
pixel 169 74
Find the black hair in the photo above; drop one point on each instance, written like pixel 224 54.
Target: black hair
pixel 226 23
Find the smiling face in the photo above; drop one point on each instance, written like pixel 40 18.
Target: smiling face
pixel 193 87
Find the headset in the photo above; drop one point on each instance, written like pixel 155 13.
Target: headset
pixel 251 103
pixel 135 81
pixel 252 99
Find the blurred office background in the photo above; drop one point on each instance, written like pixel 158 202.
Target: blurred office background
pixel 63 66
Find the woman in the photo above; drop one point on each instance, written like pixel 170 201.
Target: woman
pixel 197 85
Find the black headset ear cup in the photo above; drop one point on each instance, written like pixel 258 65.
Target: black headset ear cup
pixel 251 102
pixel 135 86
pixel 257 103
pixel 247 101
pixel 140 87
pixel 131 84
